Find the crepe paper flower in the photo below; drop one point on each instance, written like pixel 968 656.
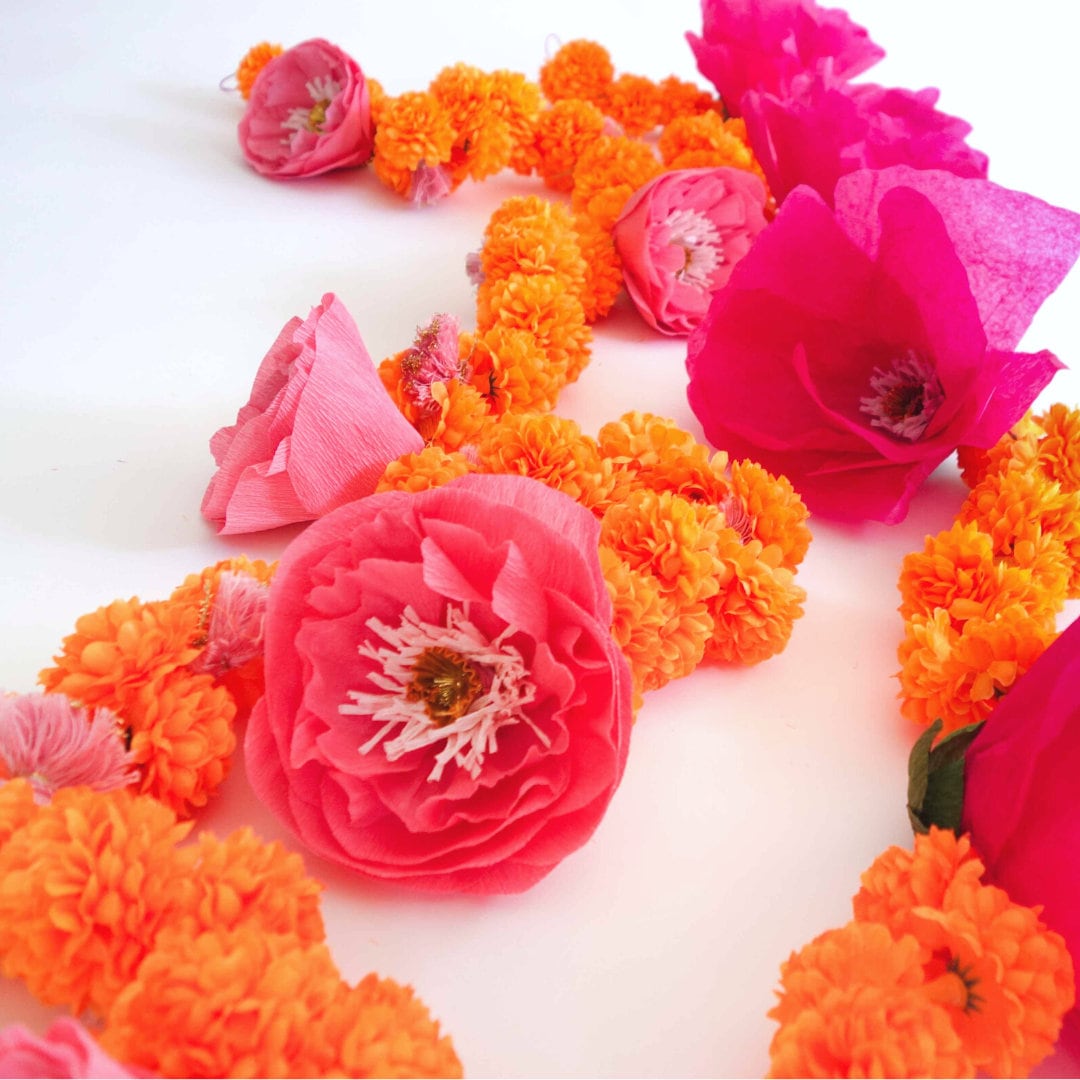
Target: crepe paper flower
pixel 765 44
pixel 432 467
pixel 66 1049
pixel 85 886
pixel 957 571
pixel 579 69
pixel 414 137
pixel 505 710
pixel 252 63
pixel 1004 978
pixel 563 133
pixel 857 420
pixel 283 461
pixel 608 173
pixel 17 806
pixel 852 1004
pixel 1020 796
pixel 245 880
pixel 823 129
pixel 224 1003
pixel 309 112
pixel 958 675
pixel 680 237
pixel 53 744
pixel 483 140
pixel 550 449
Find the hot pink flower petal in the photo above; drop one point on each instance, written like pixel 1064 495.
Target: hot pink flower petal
pixel 309 112
pixel 53 744
pixel 65 1050
pixel 679 238
pixel 855 374
pixel 1021 800
pixel 489 587
pixel 318 431
pixel 764 44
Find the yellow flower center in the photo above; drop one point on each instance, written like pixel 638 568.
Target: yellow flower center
pixel 317 115
pixel 445 682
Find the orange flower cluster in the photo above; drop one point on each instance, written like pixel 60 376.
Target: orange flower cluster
pixel 938 974
pixel 980 601
pixel 221 942
pixel 146 663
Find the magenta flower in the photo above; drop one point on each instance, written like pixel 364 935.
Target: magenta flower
pixel 318 430
pixel 764 44
pixel 309 112
pixel 66 1049
pixel 679 238
pixel 53 744
pixel 824 129
pixel 445 705
pixel 855 350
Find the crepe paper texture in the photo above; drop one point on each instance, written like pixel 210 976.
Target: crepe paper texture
pixel 679 238
pixel 445 705
pixel 309 112
pixel 855 359
pixel 317 431
pixel 65 1050
pixel 1021 803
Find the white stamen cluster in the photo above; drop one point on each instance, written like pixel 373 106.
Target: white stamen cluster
pixel 321 89
pixel 703 249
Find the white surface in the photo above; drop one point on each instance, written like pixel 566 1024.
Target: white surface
pixel 145 270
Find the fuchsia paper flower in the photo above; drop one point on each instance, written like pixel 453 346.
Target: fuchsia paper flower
pixel 824 129
pixel 66 1050
pixel 444 702
pixel 317 432
pixel 1021 799
pixel 309 112
pixel 854 351
pixel 765 44
pixel 679 238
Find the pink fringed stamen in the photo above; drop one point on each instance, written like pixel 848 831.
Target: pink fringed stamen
pixel 434 357
pixel 237 620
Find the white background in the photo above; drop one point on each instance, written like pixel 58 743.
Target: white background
pixel 144 272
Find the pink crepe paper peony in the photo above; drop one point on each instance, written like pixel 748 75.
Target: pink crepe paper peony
pixel 679 238
pixel 855 358
pixel 824 129
pixel 65 1050
pixel 317 432
pixel 1021 800
pixel 444 704
pixel 53 744
pixel 764 44
pixel 309 112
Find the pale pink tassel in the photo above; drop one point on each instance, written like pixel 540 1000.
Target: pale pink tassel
pixel 430 184
pixel 235 634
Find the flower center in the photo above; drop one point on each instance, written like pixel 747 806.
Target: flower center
pixel 442 684
pixel 703 251
pixel 905 397
pixel 322 90
pixel 737 517
pixel 955 988
pixel 317 115
pixel 445 682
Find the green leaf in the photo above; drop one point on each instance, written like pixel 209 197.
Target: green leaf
pixel 936 777
pixel 919 776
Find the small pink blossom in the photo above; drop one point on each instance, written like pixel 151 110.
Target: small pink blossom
pixel 317 431
pixel 53 744
pixel 235 633
pixel 66 1049
pixel 679 238
pixel 309 112
pixel 765 44
pixel 433 357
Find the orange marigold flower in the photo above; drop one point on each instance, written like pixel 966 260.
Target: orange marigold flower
pixel 1016 449
pixel 957 571
pixel 580 69
pixel 461 414
pixel 634 103
pixel 958 675
pixel 237 1002
pixel 379 1028
pixel 431 467
pixel 1004 978
pixel 1059 445
pixel 550 449
pixel 17 804
pixel 518 100
pixel 672 538
pixel 641 440
pixel 607 173
pixel 84 887
pixel 679 98
pixel 773 511
pixel 510 369
pixel 254 60
pixel 483 141
pixel 182 738
pixel 603 269
pixel 706 132
pixel 118 648
pixel 757 604
pixel 531 239
pixel 563 132
pixel 411 130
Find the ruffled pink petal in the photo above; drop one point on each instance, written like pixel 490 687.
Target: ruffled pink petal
pixel 65 1050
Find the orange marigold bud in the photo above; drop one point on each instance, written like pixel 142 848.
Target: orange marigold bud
pixel 580 69
pixel 563 132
